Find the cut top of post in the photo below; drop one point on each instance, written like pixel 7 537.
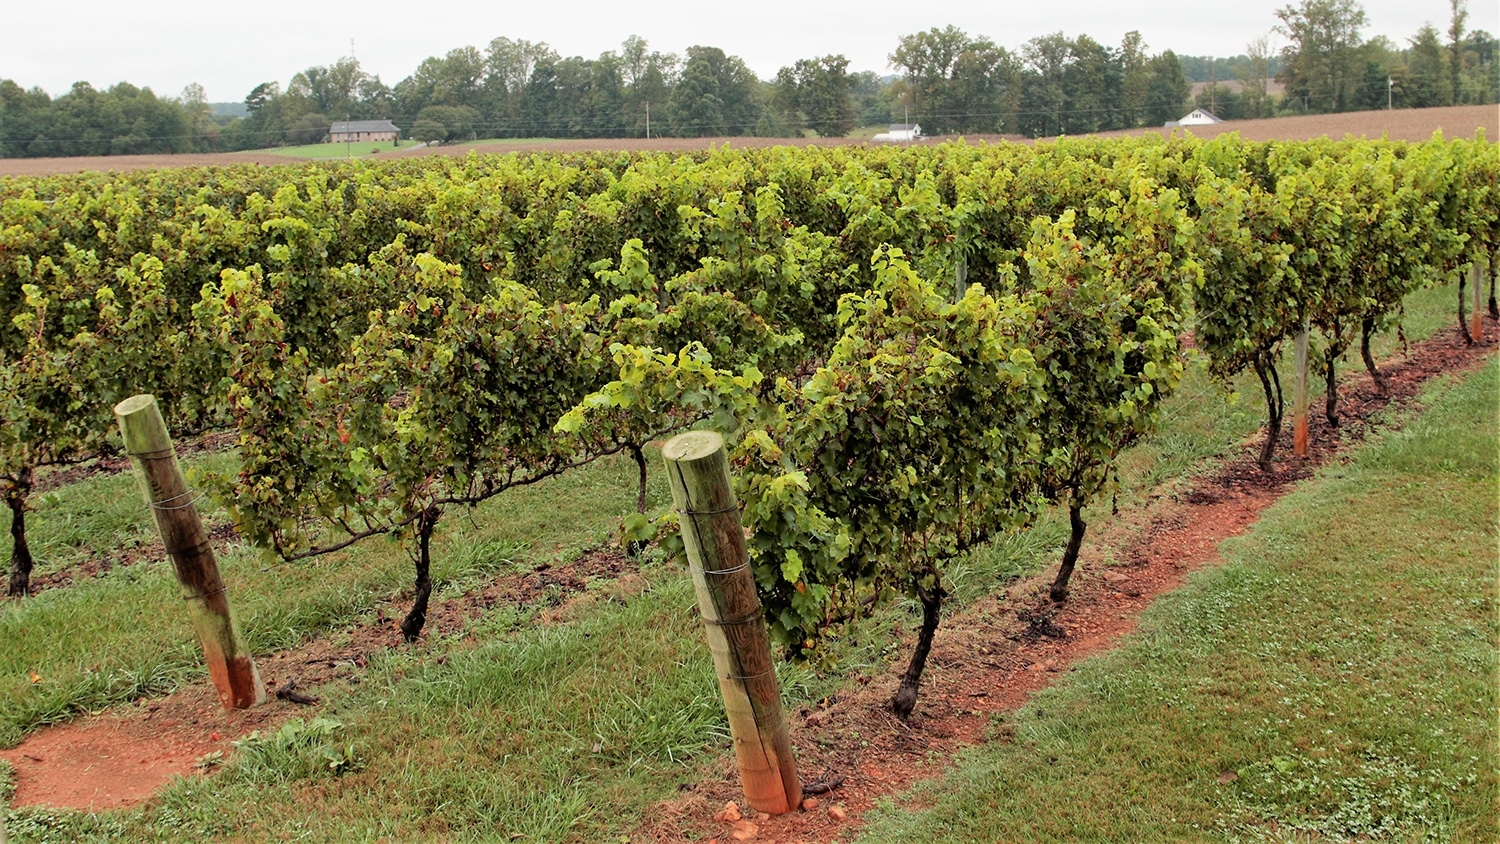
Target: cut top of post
pixel 692 446
pixel 142 426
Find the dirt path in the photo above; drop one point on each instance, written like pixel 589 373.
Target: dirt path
pixel 988 660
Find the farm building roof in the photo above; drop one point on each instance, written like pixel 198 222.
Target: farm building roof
pixel 341 127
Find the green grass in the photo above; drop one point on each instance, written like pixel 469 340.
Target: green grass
pixel 363 149
pixel 1334 680
pixel 105 640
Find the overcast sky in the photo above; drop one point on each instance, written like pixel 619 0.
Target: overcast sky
pixel 230 48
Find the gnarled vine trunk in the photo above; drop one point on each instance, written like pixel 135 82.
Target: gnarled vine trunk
pixel 1059 591
pixel 411 626
pixel 639 457
pixel 1270 382
pixel 20 551
pixel 906 694
pixel 1463 322
pixel 1331 396
pixel 1367 330
pixel 634 547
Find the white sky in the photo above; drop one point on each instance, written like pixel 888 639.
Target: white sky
pixel 230 48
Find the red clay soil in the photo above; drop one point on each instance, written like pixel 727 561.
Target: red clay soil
pixel 1402 124
pixel 988 659
pixel 122 756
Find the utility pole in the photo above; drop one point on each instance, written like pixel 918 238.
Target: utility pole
pixel 648 121
pixel 1389 84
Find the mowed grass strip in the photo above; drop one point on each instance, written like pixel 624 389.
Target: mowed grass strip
pixel 121 635
pixel 1333 680
pixel 361 149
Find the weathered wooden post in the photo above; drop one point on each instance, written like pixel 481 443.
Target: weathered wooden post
pixel 176 514
pixel 1299 394
pixel 698 469
pixel 1476 319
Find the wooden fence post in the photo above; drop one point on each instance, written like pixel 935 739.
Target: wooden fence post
pixel 698 469
pixel 176 514
pixel 1476 319
pixel 1299 394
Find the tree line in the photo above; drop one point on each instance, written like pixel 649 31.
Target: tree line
pixel 948 81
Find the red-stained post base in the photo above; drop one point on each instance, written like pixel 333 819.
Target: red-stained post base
pixel 176 515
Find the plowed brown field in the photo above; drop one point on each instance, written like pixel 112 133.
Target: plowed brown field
pixel 1403 125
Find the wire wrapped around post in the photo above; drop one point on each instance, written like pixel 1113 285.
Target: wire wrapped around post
pixel 698 469
pixel 174 508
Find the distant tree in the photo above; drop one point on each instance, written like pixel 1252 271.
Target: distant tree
pixel 1323 63
pixel 816 94
pixel 1481 82
pixel 308 129
pixel 22 118
pixel 1426 83
pixel 1169 90
pixel 508 68
pixel 716 95
pixel 1044 102
pixel 955 83
pixel 428 131
pixel 1135 81
pixel 647 76
pixel 986 87
pixel 457 122
pixel 874 99
pixel 1222 101
pixel 1253 75
pixel 1456 49
pixel 1092 88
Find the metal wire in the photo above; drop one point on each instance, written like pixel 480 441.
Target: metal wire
pixel 730 509
pixel 739 568
pixel 162 505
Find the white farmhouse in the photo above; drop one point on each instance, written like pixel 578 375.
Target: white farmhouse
pixel 1196 117
pixel 899 133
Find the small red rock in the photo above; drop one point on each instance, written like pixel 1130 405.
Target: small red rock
pixel 744 831
pixel 810 803
pixel 729 814
pixel 838 813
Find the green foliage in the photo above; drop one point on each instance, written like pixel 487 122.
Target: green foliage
pixel 1303 690
pixel 392 339
pixel 299 750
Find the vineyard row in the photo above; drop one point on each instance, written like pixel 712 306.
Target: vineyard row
pixel 910 351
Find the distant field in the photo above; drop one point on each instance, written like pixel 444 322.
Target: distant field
pixel 1414 124
pixel 321 151
pixel 1402 125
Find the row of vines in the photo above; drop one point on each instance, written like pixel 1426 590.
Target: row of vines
pixel 910 350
